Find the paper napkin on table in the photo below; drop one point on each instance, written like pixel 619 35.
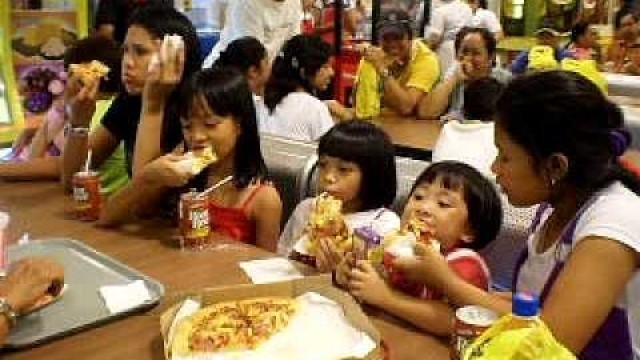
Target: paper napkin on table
pixel 120 298
pixel 270 270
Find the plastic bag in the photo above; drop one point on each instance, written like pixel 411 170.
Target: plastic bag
pixel 367 93
pixel 504 342
pixel 542 57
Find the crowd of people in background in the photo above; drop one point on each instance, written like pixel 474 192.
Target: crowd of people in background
pixel 539 128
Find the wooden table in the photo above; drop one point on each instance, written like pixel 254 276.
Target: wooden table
pixel 39 208
pixel 409 131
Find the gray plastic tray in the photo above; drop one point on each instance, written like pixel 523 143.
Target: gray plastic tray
pixel 81 307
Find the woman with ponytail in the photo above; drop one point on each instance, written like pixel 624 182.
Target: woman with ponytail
pixel 301 70
pixel 559 142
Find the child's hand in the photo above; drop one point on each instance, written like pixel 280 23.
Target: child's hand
pixel 165 71
pixel 366 284
pixel 343 270
pixel 428 267
pixel 327 255
pixel 166 171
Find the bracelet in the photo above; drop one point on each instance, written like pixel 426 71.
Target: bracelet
pixel 76 130
pixel 9 312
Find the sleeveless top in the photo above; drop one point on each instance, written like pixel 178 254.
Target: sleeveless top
pixel 613 339
pixel 234 222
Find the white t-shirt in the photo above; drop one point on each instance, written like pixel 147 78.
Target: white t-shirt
pixel 614 215
pixel 486 19
pixel 262 113
pixel 468 142
pixel 270 21
pixel 382 220
pixel 448 18
pixel 299 116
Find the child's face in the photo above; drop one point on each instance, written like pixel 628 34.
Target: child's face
pixel 473 50
pixel 442 208
pixel 342 179
pixel 205 129
pixel 516 172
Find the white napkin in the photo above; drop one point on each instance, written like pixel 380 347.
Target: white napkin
pixel 119 298
pixel 270 270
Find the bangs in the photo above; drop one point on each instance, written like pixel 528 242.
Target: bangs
pixel 221 97
pixel 346 146
pixel 448 180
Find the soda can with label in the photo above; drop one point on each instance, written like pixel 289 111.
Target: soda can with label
pixel 469 323
pixel 194 222
pixel 86 195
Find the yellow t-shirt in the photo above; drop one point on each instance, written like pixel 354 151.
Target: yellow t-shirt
pixel 423 70
pixel 422 73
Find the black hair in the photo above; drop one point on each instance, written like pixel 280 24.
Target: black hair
pixel 227 93
pixel 483 3
pixel 161 20
pixel 101 49
pixel 480 98
pixel 621 13
pixel 398 19
pixel 489 40
pixel 371 149
pixel 243 53
pixel 484 207
pixel 579 29
pixel 297 63
pixel 563 112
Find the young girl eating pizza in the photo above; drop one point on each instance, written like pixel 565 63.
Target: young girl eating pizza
pixel 463 213
pixel 217 113
pixel 356 166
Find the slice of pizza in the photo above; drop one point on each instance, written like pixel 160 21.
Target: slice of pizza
pixel 326 221
pixel 423 232
pixel 233 326
pixel 197 160
pixel 89 71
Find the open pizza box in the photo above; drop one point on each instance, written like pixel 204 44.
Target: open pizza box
pixel 320 284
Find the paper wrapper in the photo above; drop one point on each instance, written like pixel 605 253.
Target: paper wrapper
pixel 328 326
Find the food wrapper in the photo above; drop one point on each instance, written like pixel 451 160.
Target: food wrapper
pixel 501 342
pixel 305 337
pixel 325 221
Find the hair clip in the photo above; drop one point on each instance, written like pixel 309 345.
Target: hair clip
pixel 620 140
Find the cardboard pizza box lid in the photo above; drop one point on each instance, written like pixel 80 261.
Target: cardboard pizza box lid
pixel 320 284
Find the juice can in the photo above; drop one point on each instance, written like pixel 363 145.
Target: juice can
pixel 194 221
pixel 469 323
pixel 86 195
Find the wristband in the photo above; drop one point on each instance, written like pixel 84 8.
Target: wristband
pixel 76 130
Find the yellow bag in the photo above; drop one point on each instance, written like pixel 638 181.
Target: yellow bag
pixel 542 57
pixel 367 92
pixel 587 68
pixel 503 342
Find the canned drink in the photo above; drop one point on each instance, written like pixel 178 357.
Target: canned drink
pixel 469 323
pixel 86 195
pixel 194 221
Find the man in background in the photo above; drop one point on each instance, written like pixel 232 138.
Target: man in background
pixel 272 22
pixel 112 16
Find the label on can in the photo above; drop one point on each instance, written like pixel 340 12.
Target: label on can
pixel 469 323
pixel 195 224
pixel 86 195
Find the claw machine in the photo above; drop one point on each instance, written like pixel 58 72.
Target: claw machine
pixel 35 36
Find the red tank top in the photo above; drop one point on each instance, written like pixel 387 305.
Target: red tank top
pixel 233 221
